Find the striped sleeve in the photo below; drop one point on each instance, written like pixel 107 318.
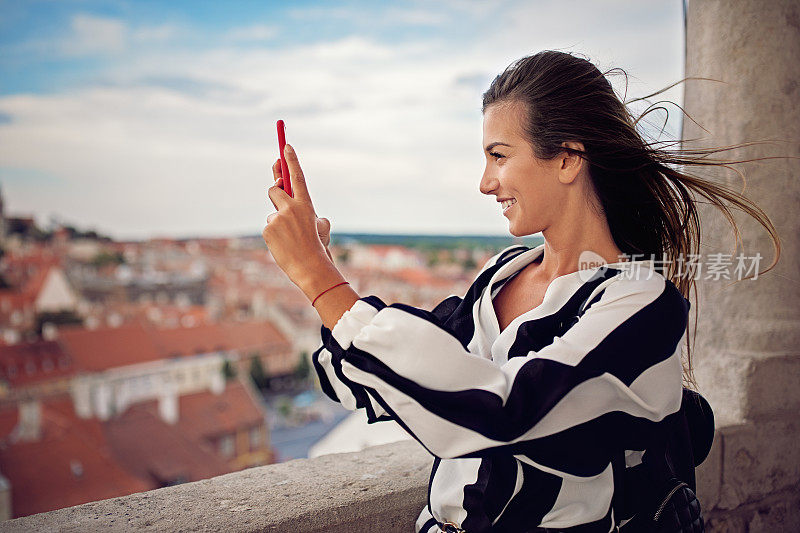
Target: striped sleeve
pixel 327 362
pixel 327 359
pixel 619 363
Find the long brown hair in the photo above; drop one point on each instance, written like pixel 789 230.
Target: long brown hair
pixel 646 199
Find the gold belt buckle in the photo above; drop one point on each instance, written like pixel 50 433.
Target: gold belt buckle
pixel 450 527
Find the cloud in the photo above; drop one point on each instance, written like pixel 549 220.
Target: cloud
pixel 165 157
pixel 95 35
pixel 256 32
pixel 426 16
pixel 477 80
pixel 157 34
pixel 177 141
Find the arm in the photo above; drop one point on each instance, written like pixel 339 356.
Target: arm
pixel 327 359
pixel 333 304
pixel 620 361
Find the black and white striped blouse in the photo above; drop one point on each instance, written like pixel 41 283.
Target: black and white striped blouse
pixel 522 423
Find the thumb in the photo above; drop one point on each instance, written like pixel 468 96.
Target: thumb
pixel 324 230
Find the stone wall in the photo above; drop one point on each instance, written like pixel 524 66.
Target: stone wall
pixel 747 355
pixel 380 489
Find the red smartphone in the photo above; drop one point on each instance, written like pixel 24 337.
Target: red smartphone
pixel 287 182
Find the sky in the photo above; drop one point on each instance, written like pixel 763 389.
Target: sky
pixel 144 119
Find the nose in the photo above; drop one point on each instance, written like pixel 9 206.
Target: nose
pixel 489 182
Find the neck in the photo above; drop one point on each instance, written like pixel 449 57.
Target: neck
pixel 579 230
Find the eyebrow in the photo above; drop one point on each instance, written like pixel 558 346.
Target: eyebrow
pixel 491 146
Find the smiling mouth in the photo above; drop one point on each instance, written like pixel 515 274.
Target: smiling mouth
pixel 506 204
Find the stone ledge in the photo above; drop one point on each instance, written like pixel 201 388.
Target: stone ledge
pixel 750 465
pixel 759 458
pixel 382 488
pixel 777 512
pixel 772 390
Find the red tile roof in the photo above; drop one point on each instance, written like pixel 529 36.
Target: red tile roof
pixel 95 350
pixel 133 452
pixel 33 285
pixel 100 349
pixel 35 362
pixel 152 449
pixel 421 277
pixel 8 420
pixel 223 336
pixel 41 472
pixel 187 341
pixel 385 249
pixel 15 299
pixel 245 335
pixel 23 270
pixel 206 415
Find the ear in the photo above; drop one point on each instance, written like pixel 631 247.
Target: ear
pixel 571 164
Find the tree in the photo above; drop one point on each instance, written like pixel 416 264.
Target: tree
pixel 469 263
pixel 343 256
pixel 257 372
pixel 431 258
pixel 105 258
pixel 302 369
pixel 228 370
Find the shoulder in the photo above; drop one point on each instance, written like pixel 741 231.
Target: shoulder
pixel 645 288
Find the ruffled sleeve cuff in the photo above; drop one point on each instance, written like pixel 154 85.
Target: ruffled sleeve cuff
pixel 353 320
pixel 328 360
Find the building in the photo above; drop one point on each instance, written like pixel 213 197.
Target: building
pixel 100 413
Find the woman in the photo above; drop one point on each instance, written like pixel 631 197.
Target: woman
pixel 525 387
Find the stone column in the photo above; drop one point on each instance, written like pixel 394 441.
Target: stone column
pixel 747 355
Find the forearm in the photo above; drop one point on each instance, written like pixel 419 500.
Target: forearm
pixel 335 302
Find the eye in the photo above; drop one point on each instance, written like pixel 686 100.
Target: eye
pixel 496 155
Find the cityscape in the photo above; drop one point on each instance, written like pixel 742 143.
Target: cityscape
pixel 129 366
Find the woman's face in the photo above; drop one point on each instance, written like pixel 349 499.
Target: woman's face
pixel 530 186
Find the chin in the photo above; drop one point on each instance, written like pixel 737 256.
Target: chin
pixel 522 232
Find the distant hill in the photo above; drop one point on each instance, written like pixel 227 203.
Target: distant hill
pixel 436 241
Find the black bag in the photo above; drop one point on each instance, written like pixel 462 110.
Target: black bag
pixel 658 495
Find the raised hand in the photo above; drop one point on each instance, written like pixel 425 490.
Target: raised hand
pixel 296 238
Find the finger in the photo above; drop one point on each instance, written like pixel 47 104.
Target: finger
pixel 276 170
pixel 270 217
pixel 278 183
pixel 296 174
pixel 278 196
pixel 324 230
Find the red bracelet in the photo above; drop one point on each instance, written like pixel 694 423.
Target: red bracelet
pixel 326 290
